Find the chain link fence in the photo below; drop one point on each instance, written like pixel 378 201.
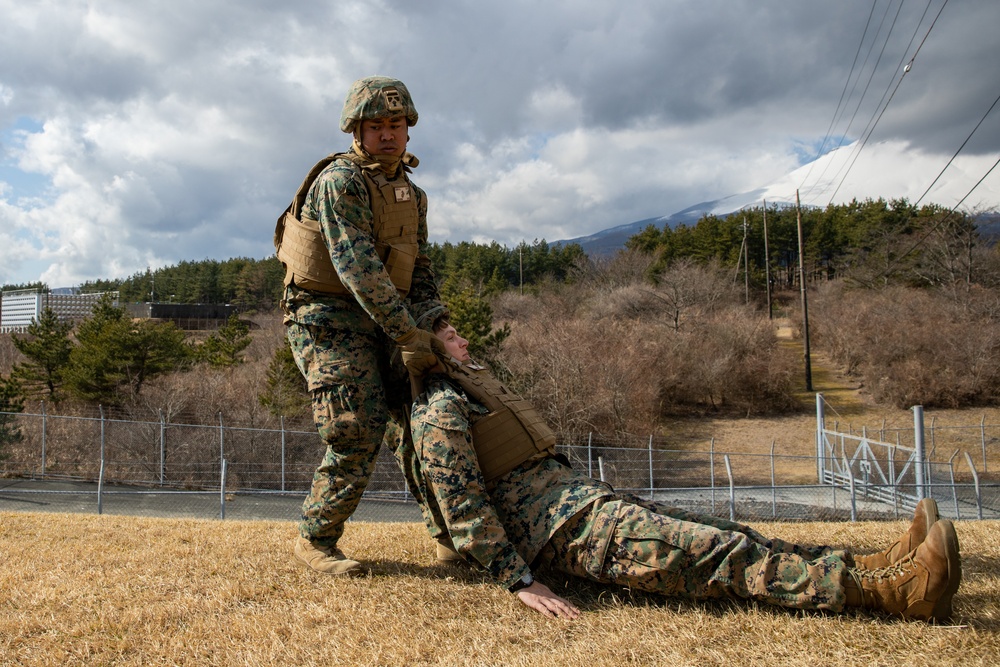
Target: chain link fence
pixel 101 464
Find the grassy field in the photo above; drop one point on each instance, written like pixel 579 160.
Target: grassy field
pixel 114 590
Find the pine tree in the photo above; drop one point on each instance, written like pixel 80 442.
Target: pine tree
pixel 472 316
pixel 11 401
pixel 47 347
pixel 225 347
pixel 286 392
pixel 116 356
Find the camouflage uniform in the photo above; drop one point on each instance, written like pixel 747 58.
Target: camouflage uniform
pixel 343 343
pixel 544 513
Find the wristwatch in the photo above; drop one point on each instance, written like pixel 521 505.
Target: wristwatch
pixel 523 582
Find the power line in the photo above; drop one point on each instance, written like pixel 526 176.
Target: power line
pixel 959 151
pixel 870 77
pixel 906 70
pixel 943 219
pixel 850 75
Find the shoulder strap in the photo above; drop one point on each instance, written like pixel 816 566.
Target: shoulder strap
pixel 300 196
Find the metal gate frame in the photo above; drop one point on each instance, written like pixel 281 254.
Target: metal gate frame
pixel 883 471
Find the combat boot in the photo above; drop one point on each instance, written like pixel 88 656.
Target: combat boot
pixel 920 585
pixel 924 517
pixel 444 553
pixel 328 560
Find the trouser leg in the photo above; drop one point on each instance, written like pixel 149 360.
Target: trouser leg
pixel 809 552
pixel 341 478
pixel 630 545
pixel 401 441
pixel 350 413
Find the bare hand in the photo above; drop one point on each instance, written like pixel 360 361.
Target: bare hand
pixel 539 597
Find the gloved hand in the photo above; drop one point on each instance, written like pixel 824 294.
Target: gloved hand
pixel 420 351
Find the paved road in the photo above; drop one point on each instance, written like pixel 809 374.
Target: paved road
pixel 49 496
pixel 809 503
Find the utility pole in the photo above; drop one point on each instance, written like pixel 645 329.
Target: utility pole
pixel 802 285
pixel 520 266
pixel 746 259
pixel 767 266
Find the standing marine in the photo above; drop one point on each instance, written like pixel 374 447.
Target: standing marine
pixel 358 282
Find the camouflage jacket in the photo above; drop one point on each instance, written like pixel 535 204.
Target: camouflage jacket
pixel 502 528
pixel 339 200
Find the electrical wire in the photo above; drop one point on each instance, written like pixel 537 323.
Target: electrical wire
pixel 871 76
pixel 906 71
pixel 940 222
pixel 840 102
pixel 959 151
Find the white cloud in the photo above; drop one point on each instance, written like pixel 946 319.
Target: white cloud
pixel 165 132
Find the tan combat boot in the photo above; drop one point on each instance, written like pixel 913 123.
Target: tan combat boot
pixel 328 560
pixel 920 585
pixel 443 553
pixel 924 517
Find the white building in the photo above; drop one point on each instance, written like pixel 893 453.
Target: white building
pixel 21 307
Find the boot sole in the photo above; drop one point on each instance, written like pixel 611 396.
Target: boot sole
pixel 942 608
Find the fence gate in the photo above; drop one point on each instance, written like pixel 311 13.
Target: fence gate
pixel 881 471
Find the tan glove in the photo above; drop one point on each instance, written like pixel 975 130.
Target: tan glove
pixel 420 350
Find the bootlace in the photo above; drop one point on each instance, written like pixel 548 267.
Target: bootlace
pixel 890 572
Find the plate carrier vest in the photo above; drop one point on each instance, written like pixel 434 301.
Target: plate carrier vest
pixel 513 431
pixel 299 242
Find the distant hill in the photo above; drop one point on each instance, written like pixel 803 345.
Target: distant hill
pixel 611 240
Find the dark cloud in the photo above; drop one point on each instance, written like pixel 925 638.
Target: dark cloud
pixel 183 129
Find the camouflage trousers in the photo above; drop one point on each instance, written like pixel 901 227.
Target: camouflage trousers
pixel 348 375
pixel 654 548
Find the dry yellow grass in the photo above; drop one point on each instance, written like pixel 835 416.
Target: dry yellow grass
pixel 114 590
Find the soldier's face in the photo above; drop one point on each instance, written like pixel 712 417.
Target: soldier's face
pixel 455 345
pixel 385 136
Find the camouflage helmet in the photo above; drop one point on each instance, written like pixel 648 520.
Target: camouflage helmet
pixel 376 97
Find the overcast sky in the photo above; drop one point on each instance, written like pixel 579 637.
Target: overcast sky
pixel 137 134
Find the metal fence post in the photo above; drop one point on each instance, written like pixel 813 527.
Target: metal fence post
pixel 44 427
pixel 918 445
pixel 222 439
pixel 732 489
pixel 282 452
pixel 954 489
pixel 650 466
pixel 851 486
pixel 102 435
pixel 975 480
pixel 222 491
pixel 820 427
pixel 590 456
pixel 892 481
pixel 600 467
pixel 711 469
pixel 163 448
pixel 100 488
pixel 774 497
pixel 982 439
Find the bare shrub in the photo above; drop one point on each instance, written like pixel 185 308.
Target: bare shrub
pixel 612 356
pixel 628 267
pixel 729 361
pixel 584 377
pixel 686 289
pixel 626 302
pixel 912 346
